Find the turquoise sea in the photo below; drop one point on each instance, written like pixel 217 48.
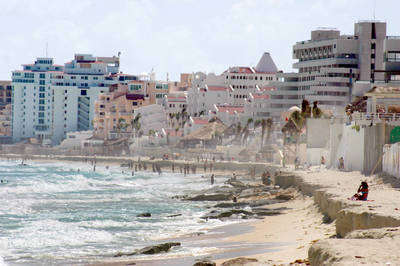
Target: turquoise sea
pixel 53 213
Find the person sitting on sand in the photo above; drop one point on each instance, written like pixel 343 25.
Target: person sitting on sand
pixel 362 192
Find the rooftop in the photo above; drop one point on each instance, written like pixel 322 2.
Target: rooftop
pixel 199 120
pixel 266 64
pixel 230 109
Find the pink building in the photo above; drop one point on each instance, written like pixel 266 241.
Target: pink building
pixel 115 111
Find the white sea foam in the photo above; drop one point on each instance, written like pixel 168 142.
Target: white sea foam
pixel 53 212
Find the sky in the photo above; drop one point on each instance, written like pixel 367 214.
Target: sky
pixel 174 36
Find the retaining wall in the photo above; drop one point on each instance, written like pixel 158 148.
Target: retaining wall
pixel 347 218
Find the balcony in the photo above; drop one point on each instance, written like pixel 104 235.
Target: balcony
pixel 333 79
pixel 329 88
pixel 325 62
pixel 332 98
pixel 285 101
pixel 340 70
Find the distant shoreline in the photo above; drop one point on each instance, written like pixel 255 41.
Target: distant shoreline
pixel 221 167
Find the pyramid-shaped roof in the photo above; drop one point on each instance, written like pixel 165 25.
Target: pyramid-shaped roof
pixel 266 64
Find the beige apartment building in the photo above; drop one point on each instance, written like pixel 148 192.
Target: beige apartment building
pixel 330 63
pixel 115 110
pixel 5 110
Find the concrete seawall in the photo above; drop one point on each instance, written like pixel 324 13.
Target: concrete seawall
pixel 349 216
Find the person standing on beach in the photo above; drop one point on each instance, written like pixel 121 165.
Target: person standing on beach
pixel 212 179
pixel 341 163
pixel 322 162
pixel 205 167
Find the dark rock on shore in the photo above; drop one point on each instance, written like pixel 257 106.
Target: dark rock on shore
pixel 174 215
pixel 151 249
pixel 231 204
pixel 211 197
pixel 235 183
pixel 238 261
pixel 246 214
pixel 205 263
pixel 145 214
pixel 284 197
pixel 225 214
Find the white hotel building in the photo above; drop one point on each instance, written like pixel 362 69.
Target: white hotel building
pixel 232 88
pixel 50 100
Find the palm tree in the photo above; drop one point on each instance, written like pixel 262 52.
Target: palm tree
pixel 238 132
pixel 245 131
pixel 316 111
pixel 256 124
pixel 305 109
pixel 269 128
pixel 121 125
pixel 135 123
pixel 263 127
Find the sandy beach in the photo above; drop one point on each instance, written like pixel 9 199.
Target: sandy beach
pixel 288 237
pixel 299 227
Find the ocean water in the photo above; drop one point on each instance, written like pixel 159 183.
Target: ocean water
pixel 52 214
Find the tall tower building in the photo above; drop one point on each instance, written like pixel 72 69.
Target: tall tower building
pixel 330 63
pixel 50 100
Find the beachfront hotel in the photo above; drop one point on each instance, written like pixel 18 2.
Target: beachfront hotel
pixel 329 65
pixel 50 100
pixel 232 87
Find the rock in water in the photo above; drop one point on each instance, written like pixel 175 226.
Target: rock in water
pixel 284 197
pixel 151 249
pixel 211 197
pixel 239 262
pixel 158 248
pixel 174 215
pixel 145 214
pixel 205 263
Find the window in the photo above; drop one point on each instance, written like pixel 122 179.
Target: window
pixel 41 108
pixel 42 95
pixel 41 114
pixel 135 87
pixel 41 101
pixel 83 92
pixel 42 88
pixel 42 76
pixel 41 82
pixel 29 75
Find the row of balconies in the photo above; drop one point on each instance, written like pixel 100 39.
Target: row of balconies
pixel 325 62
